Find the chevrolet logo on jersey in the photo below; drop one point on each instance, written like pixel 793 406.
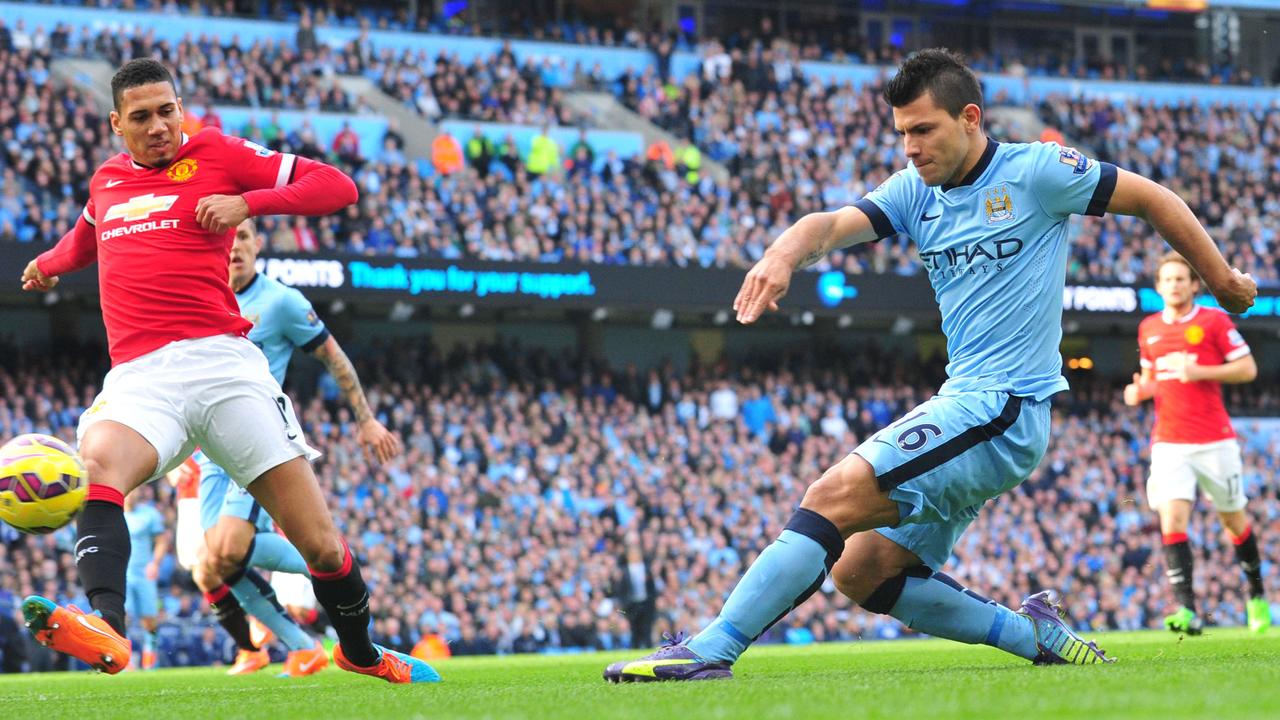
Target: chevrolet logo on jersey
pixel 140 207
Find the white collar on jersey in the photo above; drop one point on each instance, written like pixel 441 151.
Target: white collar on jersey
pixel 1168 318
pixel 136 166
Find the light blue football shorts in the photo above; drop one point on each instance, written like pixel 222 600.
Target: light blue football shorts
pixel 950 455
pixel 141 597
pixel 220 495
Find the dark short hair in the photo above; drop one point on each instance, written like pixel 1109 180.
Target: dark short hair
pixel 136 72
pixel 1174 256
pixel 940 72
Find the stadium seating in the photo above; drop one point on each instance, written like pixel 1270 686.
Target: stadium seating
pixel 792 146
pixel 502 528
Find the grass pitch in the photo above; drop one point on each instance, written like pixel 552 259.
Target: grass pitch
pixel 1225 673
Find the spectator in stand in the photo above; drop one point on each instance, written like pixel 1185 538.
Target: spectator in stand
pixel 446 154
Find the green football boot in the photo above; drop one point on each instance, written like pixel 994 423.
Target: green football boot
pixel 1259 615
pixel 1185 621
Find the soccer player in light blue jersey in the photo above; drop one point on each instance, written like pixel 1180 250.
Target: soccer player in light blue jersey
pixel 989 220
pixel 238 534
pixel 149 542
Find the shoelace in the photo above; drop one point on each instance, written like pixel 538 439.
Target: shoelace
pixel 669 641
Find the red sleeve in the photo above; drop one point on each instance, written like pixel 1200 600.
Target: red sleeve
pixel 1229 340
pixel 316 189
pixel 77 249
pixel 255 167
pixel 1144 354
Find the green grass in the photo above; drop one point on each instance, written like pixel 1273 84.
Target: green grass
pixel 1225 673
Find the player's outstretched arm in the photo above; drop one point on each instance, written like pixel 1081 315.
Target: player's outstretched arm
pixel 76 250
pixel 801 245
pixel 1170 216
pixel 378 442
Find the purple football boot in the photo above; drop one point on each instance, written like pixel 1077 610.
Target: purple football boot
pixel 673 661
pixel 1059 644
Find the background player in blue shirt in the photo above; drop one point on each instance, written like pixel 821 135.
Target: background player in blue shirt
pixel 148 544
pixel 989 221
pixel 238 534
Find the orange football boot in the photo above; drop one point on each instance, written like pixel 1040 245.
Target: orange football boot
pixel 392 666
pixel 250 661
pixel 306 662
pixel 69 630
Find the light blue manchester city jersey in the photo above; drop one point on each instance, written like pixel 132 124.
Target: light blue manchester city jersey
pixel 145 522
pixel 282 320
pixel 995 249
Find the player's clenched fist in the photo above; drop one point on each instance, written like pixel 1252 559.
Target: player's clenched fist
pixel 33 279
pixel 1238 293
pixel 221 213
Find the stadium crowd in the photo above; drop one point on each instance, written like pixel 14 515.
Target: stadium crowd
pixel 828 39
pixel 791 147
pixel 546 503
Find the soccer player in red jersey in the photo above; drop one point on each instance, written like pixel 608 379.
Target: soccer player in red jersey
pixel 1187 352
pixel 159 223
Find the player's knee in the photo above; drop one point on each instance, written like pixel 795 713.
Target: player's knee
pixel 880 598
pixel 324 554
pixel 226 555
pixel 205 575
pixel 858 575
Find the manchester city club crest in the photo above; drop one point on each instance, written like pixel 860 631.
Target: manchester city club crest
pixel 997 204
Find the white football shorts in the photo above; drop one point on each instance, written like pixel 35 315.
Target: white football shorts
pixel 1178 468
pixel 215 393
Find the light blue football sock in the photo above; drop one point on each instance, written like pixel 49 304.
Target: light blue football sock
pixel 941 607
pixel 259 600
pixel 791 569
pixel 272 551
pixel 148 642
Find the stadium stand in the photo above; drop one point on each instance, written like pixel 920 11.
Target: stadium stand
pixel 791 145
pixel 504 527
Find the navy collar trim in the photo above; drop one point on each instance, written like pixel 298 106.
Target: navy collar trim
pixel 248 285
pixel 978 169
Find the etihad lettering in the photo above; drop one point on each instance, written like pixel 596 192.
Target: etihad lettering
pixel 137 228
pixel 978 258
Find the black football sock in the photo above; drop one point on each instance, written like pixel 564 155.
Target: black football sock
pixel 345 598
pixel 1250 562
pixel 1180 566
pixel 102 553
pixel 230 616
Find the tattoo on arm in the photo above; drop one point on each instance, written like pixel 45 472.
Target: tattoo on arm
pixel 340 367
pixel 812 257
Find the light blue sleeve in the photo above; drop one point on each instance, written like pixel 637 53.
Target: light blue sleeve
pixel 157 522
pixel 301 325
pixel 889 206
pixel 1068 183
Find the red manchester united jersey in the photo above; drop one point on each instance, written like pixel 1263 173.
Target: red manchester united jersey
pixel 161 276
pixel 1189 412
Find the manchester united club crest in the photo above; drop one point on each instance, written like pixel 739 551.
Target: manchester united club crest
pixel 997 204
pixel 1194 334
pixel 183 170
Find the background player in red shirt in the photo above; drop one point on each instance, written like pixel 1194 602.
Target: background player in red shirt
pixel 159 223
pixel 1187 352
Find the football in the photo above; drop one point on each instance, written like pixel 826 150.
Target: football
pixel 42 483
